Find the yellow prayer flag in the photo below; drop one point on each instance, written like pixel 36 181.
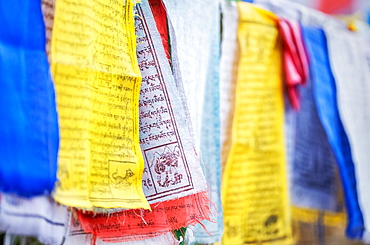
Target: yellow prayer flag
pixel 97 81
pixel 255 199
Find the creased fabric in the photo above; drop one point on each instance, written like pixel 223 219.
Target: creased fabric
pixel 353 87
pixel 254 191
pixel 98 80
pixel 160 16
pixel 76 235
pixel 325 94
pixel 314 184
pixel 172 164
pixel 295 59
pixel 28 117
pixel 331 119
pixel 228 74
pixel 211 231
pixel 173 180
pixel 39 216
pixel 198 57
pixel 193 51
pixel 139 224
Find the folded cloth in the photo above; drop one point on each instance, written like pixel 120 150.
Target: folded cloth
pixel 295 59
pixel 38 216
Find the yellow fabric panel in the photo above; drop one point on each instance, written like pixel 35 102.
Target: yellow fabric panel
pixel 97 81
pixel 254 193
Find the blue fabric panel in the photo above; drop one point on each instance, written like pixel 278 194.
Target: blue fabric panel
pixel 325 96
pixel 29 136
